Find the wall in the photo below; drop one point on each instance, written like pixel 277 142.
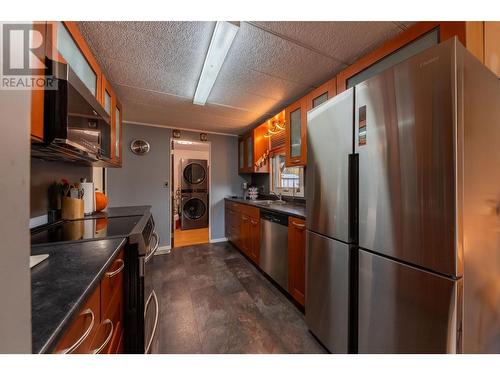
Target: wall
pixel 15 282
pixel 141 178
pixel 44 173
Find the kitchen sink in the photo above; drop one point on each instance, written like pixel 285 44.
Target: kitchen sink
pixel 269 202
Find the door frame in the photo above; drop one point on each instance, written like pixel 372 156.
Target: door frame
pixel 171 190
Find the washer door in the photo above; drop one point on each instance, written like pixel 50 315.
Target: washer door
pixel 194 173
pixel 194 209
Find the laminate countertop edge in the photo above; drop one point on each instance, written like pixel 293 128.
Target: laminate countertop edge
pixel 69 317
pixel 289 209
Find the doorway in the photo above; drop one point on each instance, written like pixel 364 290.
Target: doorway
pixel 190 192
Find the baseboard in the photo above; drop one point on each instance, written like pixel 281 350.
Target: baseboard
pixel 215 240
pixel 163 250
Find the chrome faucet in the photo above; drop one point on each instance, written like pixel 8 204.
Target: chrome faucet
pixel 277 195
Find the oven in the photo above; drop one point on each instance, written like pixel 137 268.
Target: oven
pixel 142 318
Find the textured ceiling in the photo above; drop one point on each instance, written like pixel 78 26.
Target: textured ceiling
pixel 154 67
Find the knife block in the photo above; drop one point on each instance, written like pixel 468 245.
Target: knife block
pixel 72 208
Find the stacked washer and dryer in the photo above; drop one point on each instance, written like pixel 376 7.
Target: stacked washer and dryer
pixel 194 193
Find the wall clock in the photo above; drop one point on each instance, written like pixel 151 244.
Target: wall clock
pixel 140 146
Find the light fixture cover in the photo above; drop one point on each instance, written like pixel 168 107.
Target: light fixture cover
pixel 222 39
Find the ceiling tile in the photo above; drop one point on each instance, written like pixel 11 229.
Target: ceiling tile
pixel 155 66
pixel 344 41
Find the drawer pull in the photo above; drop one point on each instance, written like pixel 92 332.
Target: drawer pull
pixel 157 307
pixel 298 225
pixel 108 338
pixel 82 338
pixel 111 274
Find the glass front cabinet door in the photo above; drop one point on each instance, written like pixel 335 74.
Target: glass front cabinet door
pixel 295 115
pixel 241 155
pixel 249 152
pixel 118 130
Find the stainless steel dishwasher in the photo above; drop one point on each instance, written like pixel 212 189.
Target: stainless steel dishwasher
pixel 273 258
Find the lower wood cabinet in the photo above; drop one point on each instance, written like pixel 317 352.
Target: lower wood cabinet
pixel 254 242
pixel 79 337
pixel 243 228
pixel 297 259
pixel 98 327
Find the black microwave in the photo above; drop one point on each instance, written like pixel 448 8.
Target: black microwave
pixel 76 126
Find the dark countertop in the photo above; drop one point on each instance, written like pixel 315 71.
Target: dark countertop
pixel 120 211
pixel 62 283
pixel 290 209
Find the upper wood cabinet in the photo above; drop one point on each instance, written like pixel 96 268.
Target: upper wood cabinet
pixel 483 41
pixel 249 152
pixel 64 43
pixel 295 145
pixel 67 45
pixel 37 96
pixel 253 149
pixel 114 109
pixel 320 95
pixel 117 134
pixel 492 46
pixel 241 155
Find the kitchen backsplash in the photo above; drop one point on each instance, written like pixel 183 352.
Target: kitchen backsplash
pixel 261 181
pixel 44 173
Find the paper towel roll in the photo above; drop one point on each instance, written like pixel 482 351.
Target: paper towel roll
pixel 88 197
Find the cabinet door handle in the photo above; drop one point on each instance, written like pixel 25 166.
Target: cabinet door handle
pixel 298 225
pixel 296 161
pixel 108 338
pixel 82 338
pixel 111 274
pixel 150 342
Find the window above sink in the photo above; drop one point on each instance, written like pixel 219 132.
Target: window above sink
pixel 287 181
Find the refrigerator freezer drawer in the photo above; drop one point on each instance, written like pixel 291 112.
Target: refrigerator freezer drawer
pixel 327 286
pixel 406 310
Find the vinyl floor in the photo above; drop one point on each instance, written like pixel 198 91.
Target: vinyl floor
pixel 213 300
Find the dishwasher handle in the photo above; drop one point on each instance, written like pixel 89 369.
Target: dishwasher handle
pixel 274 217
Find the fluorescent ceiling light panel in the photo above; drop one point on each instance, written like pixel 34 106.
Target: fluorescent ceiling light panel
pixel 222 39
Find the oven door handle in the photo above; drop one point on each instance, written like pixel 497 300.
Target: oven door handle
pixel 157 307
pixel 155 248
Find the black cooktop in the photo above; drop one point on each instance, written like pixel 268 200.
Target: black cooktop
pixel 85 230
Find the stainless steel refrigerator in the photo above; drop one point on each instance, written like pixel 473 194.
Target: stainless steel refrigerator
pixel 328 238
pixel 427 268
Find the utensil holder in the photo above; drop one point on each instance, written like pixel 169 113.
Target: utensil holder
pixel 72 208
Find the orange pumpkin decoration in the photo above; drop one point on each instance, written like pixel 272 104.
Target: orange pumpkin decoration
pixel 101 201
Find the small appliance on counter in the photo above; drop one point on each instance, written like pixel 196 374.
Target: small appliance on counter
pixel 88 196
pixel 244 188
